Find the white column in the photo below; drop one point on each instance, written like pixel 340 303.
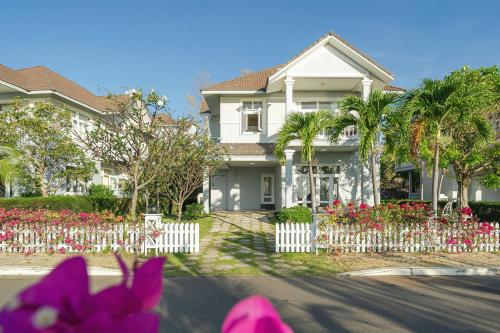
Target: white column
pixel 289 177
pixel 283 186
pixel 289 94
pixel 206 193
pixel 367 88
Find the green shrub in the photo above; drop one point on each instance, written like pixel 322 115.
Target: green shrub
pixel 76 204
pixel 489 211
pixel 102 196
pixel 194 211
pixel 299 214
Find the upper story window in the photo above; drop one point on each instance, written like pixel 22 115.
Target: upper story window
pixel 252 116
pixel 316 105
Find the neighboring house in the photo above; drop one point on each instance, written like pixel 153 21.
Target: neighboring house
pixel 420 186
pixel 245 114
pixel 42 84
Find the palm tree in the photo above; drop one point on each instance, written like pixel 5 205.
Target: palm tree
pixel 304 127
pixel 9 159
pixel 433 105
pixel 369 118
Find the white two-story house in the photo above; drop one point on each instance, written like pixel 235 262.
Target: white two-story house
pixel 245 114
pixel 42 84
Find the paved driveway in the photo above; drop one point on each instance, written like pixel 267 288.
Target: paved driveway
pixel 239 242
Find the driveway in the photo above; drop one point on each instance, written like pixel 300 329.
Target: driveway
pixel 238 242
pixel 337 304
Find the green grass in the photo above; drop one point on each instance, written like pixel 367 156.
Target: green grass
pixel 205 223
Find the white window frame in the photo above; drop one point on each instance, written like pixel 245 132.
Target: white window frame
pixel 334 105
pixel 262 197
pixel 258 111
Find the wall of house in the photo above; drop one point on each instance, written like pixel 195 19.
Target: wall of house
pixel 449 189
pixel 230 128
pixel 239 188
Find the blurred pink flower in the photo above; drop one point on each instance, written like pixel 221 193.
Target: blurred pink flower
pixel 61 302
pixel 254 314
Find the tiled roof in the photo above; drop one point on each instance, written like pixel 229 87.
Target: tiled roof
pixel 166 119
pixel 251 81
pixel 249 148
pixel 42 78
pixel 394 89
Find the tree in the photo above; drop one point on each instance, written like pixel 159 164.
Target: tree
pixel 191 156
pixel 194 100
pixel 434 104
pixel 9 161
pixel 473 149
pixel 128 138
pixel 369 117
pixel 41 132
pixel 304 127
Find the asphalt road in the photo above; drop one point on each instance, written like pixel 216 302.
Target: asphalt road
pixel 340 304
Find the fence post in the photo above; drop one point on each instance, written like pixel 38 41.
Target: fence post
pixel 152 223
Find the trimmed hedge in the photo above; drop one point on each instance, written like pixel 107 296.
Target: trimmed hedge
pixel 298 214
pixel 76 204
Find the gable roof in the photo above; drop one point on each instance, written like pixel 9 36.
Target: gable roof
pixel 41 78
pixel 349 45
pixel 256 81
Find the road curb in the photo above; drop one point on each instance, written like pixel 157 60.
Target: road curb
pixel 427 271
pixel 39 271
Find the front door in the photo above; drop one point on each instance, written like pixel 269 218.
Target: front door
pixel 267 189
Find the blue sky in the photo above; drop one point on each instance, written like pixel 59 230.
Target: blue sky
pixel 113 45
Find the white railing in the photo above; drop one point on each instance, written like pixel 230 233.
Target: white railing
pixel 296 237
pixel 34 237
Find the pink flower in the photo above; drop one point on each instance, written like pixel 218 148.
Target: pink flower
pixel 452 241
pixel 467 242
pixel 254 314
pixel 363 206
pixel 61 302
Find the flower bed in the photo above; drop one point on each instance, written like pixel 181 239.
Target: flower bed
pixel 28 231
pixel 405 227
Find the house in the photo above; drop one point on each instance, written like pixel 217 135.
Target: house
pixel 245 114
pixel 419 185
pixel 42 84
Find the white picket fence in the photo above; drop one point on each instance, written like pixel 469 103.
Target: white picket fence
pixel 167 238
pixel 297 237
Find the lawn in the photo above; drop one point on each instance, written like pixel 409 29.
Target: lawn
pixel 205 223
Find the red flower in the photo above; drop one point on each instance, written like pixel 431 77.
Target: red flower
pixel 466 211
pixel 336 202
pixel 363 206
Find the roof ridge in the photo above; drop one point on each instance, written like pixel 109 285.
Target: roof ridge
pixel 235 78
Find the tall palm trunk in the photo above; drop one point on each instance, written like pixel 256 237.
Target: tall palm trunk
pixel 312 187
pixel 435 173
pixel 374 174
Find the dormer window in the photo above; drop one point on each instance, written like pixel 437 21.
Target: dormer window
pixel 252 115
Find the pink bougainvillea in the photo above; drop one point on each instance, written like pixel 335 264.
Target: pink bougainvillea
pixel 61 302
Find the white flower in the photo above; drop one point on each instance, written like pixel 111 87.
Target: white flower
pixel 165 99
pixel 44 317
pixel 31 106
pixel 160 103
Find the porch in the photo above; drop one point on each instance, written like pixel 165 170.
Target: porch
pixel 263 183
